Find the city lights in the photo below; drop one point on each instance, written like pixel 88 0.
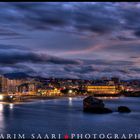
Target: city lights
pixel 15 89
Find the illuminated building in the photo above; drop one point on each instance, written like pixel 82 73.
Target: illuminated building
pixel 27 88
pixel 111 83
pixel 49 92
pixel 103 89
pixel 17 86
pixel 10 85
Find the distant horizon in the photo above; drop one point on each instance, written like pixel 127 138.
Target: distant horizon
pixel 71 39
pixel 65 78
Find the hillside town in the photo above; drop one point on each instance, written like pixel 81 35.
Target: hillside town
pixel 19 85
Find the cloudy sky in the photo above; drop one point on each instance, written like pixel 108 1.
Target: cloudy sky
pixel 69 39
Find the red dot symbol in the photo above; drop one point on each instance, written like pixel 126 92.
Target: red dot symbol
pixel 66 136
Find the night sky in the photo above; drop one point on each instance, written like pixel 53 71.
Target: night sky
pixel 73 40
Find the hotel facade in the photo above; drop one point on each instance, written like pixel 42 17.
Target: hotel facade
pixel 103 89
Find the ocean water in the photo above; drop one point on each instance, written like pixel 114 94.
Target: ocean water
pixel 66 116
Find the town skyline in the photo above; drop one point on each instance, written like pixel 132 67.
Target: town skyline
pixel 70 40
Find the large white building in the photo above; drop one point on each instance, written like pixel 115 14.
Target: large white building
pixel 103 89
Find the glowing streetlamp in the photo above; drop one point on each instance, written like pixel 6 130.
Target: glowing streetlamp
pixel 1 97
pixel 70 91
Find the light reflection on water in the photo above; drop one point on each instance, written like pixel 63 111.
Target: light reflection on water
pixel 11 106
pixel 2 121
pixel 1 108
pixel 109 98
pixel 70 101
pixel 66 115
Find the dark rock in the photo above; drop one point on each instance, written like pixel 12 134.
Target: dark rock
pixel 123 109
pixel 94 105
pixel 91 102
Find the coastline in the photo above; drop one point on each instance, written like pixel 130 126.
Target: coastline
pixel 27 99
pixel 32 98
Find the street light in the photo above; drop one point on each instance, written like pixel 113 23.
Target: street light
pixel 1 97
pixel 70 91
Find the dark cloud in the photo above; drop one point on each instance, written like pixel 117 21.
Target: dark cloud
pixel 10 56
pixel 92 17
pixel 124 38
pixel 97 18
pixel 83 17
pixel 137 33
pixel 13 59
pixel 134 57
pixel 108 62
pixel 108 33
pixel 6 32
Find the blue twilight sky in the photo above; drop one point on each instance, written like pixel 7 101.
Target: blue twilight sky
pixel 69 39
